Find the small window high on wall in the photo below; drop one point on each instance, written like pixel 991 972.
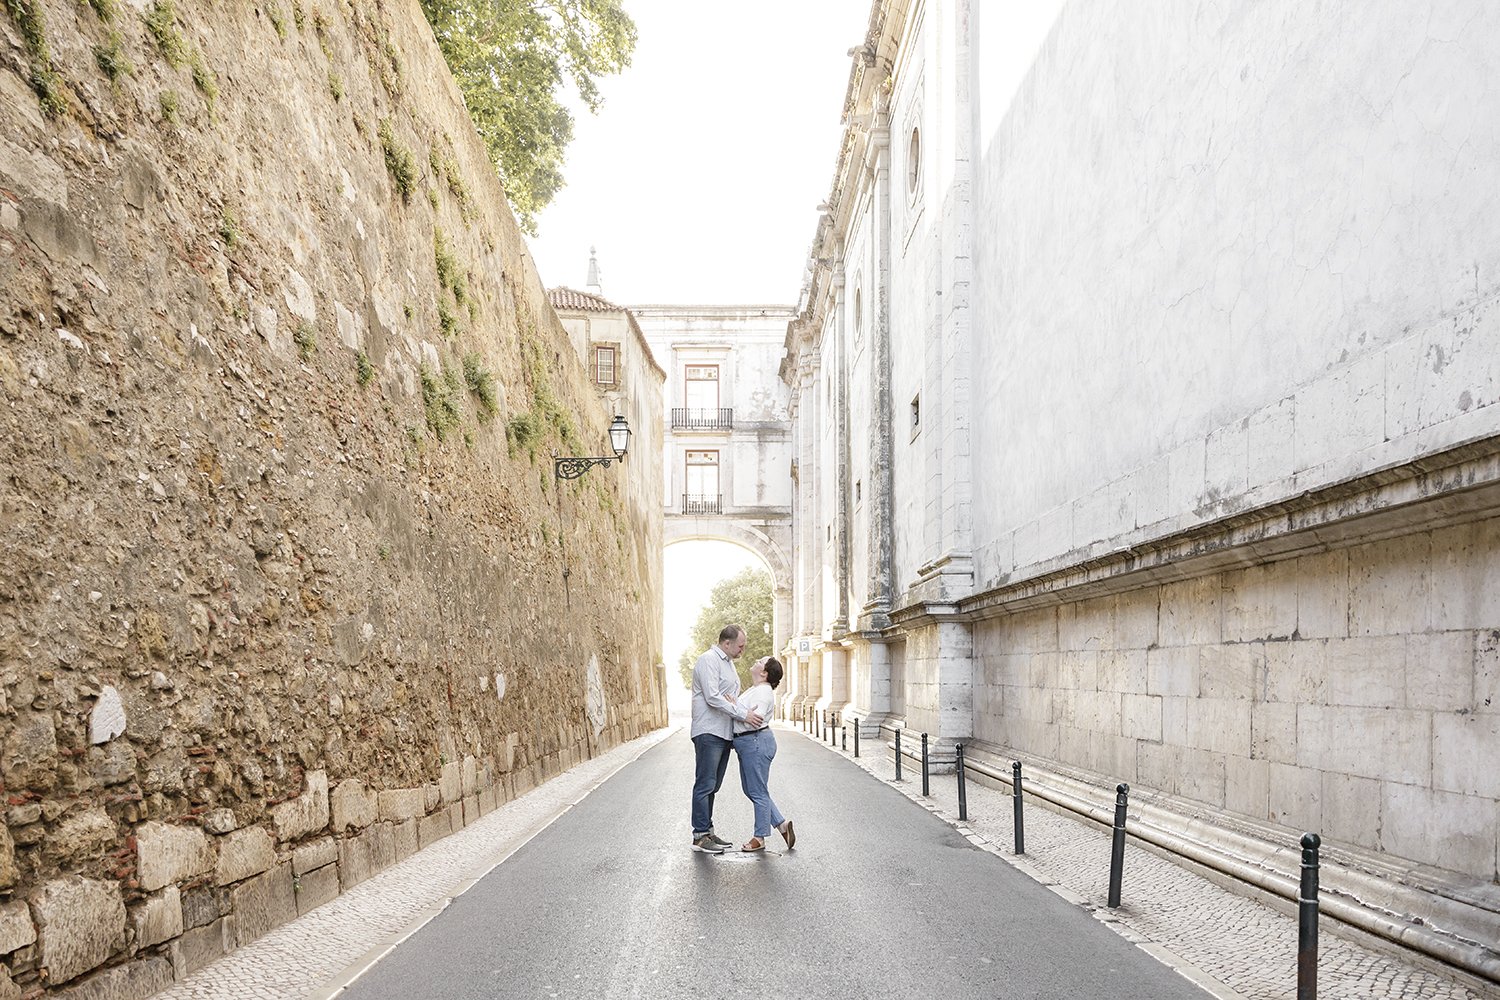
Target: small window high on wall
pixel 604 366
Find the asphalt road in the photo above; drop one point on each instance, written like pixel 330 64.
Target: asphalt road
pixel 879 899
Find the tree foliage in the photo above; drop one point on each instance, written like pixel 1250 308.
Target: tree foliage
pixel 511 59
pixel 743 599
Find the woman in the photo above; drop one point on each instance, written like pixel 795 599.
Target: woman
pixel 756 748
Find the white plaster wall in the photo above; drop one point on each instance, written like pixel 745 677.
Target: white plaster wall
pixel 1226 254
pixel 577 325
pixel 760 463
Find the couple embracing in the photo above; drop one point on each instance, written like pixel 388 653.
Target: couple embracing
pixel 725 718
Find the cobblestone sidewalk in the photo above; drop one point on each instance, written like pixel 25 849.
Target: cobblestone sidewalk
pixel 315 955
pixel 1238 948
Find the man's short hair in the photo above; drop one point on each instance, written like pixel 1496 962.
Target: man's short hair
pixel 729 633
pixel 773 672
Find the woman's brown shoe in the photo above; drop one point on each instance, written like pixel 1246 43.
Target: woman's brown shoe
pixel 789 834
pixel 754 844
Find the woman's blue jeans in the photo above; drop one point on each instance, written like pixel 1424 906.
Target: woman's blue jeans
pixel 756 751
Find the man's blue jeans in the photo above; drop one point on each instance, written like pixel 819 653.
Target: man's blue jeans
pixel 712 753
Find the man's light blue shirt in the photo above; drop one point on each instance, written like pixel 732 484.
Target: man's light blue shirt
pixel 714 679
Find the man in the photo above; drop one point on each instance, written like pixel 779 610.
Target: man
pixel 715 688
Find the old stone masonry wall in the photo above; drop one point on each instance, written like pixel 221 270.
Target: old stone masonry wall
pixel 288 589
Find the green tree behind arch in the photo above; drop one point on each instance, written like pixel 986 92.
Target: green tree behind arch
pixel 743 599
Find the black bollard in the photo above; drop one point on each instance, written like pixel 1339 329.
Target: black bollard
pixel 833 728
pixel 963 796
pixel 1307 921
pixel 856 737
pixel 898 755
pixel 843 735
pixel 1117 848
pixel 1015 795
pixel 924 764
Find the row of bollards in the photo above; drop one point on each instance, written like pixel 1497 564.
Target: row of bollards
pixel 1307 902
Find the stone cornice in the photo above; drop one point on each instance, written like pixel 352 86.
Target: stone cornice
pixel 1449 487
pixel 1455 486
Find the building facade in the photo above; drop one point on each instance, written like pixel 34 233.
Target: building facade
pixel 629 381
pixel 726 449
pixel 1143 402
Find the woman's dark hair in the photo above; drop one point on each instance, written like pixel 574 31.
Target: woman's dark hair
pixel 773 672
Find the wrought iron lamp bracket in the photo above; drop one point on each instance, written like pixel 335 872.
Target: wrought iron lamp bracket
pixel 572 468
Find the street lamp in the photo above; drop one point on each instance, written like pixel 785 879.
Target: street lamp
pixel 619 440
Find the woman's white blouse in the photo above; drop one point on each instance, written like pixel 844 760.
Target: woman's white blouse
pixel 759 698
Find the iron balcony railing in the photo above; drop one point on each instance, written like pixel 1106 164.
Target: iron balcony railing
pixel 692 419
pixel 693 503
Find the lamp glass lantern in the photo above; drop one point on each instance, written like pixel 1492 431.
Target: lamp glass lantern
pixel 619 436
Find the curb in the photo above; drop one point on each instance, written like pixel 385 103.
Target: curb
pixel 347 976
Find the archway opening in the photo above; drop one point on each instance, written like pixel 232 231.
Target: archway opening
pixel 693 567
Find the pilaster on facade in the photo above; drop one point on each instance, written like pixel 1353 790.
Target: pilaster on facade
pixel 875 614
pixel 870 681
pixel 838 329
pixel 955 256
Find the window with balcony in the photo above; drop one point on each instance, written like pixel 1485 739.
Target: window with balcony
pixel 701 483
pixel 700 395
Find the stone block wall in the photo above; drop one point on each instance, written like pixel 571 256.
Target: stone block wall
pixel 1354 692
pixel 288 588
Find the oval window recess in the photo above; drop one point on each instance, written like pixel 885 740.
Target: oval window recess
pixel 914 161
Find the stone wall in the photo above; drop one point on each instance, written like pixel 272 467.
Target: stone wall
pixel 1354 691
pixel 288 588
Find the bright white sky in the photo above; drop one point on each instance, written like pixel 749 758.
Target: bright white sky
pixel 699 179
